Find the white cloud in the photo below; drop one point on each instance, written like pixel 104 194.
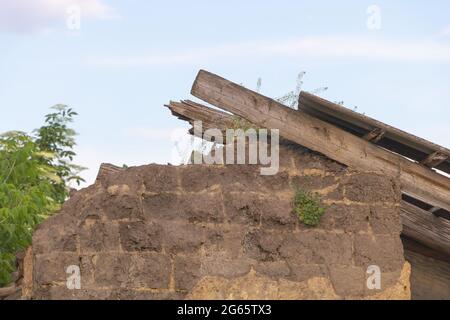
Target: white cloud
pixel 24 16
pixel 326 47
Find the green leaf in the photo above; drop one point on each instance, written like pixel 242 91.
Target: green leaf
pixel 34 176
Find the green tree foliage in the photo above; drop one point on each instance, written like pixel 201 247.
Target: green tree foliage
pixel 56 137
pixel 34 176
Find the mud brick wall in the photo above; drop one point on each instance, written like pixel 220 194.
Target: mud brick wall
pixel 218 232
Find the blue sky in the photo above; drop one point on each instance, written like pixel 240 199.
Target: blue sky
pixel 128 58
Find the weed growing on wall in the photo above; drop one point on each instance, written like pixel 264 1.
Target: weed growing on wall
pixel 308 207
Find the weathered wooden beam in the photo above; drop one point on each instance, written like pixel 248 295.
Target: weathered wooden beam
pixel 425 227
pixel 434 159
pixel 410 244
pixel 395 140
pixel 211 118
pixel 190 111
pixel 322 137
pixel 375 135
pixel 363 121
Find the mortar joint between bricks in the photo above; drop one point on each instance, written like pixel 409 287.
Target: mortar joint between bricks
pixel 226 221
pixel 178 179
pixel 172 274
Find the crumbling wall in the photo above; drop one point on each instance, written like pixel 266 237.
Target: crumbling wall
pixel 220 232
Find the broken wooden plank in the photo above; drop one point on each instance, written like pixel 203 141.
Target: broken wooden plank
pixel 322 137
pixel 190 111
pixel 211 118
pixel 434 159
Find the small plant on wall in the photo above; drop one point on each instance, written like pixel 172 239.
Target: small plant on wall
pixel 308 207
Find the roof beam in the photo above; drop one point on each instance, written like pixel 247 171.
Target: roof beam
pixel 211 119
pixel 375 135
pixel 368 123
pixel 322 137
pixel 425 227
pixel 190 111
pixel 434 159
pixel 395 140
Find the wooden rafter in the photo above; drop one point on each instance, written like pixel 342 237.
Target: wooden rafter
pixel 425 227
pixel 434 159
pixel 375 135
pixel 359 124
pixel 322 137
